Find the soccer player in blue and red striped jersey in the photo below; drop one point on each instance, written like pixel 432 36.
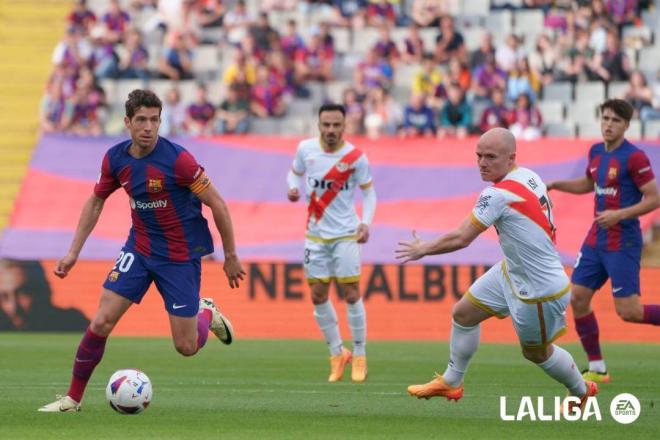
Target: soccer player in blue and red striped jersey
pixel 166 188
pixel 625 187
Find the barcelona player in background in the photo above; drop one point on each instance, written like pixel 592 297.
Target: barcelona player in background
pixel 625 187
pixel 166 188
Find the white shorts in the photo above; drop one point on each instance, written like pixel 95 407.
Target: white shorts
pixel 326 260
pixel 537 324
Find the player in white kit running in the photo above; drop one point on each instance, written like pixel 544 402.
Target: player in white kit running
pixel 529 284
pixel 333 169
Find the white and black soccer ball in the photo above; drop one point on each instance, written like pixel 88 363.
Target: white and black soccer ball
pixel 129 391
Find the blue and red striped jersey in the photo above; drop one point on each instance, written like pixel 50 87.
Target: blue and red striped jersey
pixel 617 177
pixel 162 187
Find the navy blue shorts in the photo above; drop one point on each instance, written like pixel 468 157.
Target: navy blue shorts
pixel 594 266
pixel 177 282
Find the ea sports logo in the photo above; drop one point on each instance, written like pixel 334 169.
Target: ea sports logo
pixel 625 408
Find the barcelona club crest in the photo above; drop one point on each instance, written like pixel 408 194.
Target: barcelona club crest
pixel 611 174
pixel 113 276
pixel 154 185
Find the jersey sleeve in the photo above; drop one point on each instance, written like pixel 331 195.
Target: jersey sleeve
pixel 640 169
pixel 362 172
pixel 488 208
pixel 189 173
pixel 107 183
pixel 298 166
pixel 587 170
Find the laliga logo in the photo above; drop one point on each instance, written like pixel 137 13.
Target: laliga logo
pixel 564 409
pixel 624 408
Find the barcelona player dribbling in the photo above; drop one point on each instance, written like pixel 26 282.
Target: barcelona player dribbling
pixel 622 178
pixel 166 187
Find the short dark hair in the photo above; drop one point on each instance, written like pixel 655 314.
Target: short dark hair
pixel 142 98
pixel 619 106
pixel 332 108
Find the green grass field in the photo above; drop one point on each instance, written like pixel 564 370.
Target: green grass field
pixel 277 389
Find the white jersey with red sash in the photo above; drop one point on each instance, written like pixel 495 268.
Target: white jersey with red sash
pixel 330 181
pixel 519 208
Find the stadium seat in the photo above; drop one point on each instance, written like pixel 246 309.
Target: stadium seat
pixel 560 129
pixel 634 131
pixel 475 7
pixel 582 111
pixel 205 61
pixel 428 36
pixel 188 90
pixel 161 86
pixel 558 91
pixel 588 130
pixel 472 37
pixel 590 91
pixel 528 22
pixel 404 74
pixel 616 89
pixel 342 38
pixel 636 36
pixel 652 129
pixel 552 111
pixel 109 86
pixel 367 39
pixel 335 90
pixel 499 22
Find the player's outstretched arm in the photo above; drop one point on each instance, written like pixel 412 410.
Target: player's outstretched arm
pixel 88 218
pixel 368 211
pixel 458 239
pixel 232 267
pixel 581 185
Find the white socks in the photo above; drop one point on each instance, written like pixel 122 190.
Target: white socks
pixel 462 346
pixel 561 367
pixel 326 318
pixel 357 322
pixel 598 366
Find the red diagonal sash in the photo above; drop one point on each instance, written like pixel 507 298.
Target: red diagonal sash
pixel 338 175
pixel 530 207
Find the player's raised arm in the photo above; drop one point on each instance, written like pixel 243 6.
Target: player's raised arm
pixel 581 185
pixel 88 218
pixel 232 267
pixel 457 239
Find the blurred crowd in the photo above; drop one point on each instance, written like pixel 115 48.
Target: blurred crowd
pixel 271 66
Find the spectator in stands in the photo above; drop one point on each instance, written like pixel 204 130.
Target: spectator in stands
pixel 427 13
pixel 522 80
pixel 543 60
pixel 384 116
pixel 327 40
pixel 418 119
pixel 485 50
pixel 651 113
pixel 236 23
pixel 351 13
pixel 610 65
pixel 507 54
pixel 487 77
pixel 449 42
pixel 103 59
pixel 53 109
pixel 622 12
pixel 88 102
pixel 249 47
pixel 385 48
pixel 281 70
pixel 241 71
pixel 233 115
pixel 496 114
pixel 525 121
pixel 82 17
pixel 456 115
pixel 116 21
pixel 459 74
pixel 266 96
pixel 381 12
pixel 314 62
pixel 173 115
pixel 638 93
pixel 372 73
pixel 134 59
pixel 176 63
pixel 414 46
pixel 200 113
pixel 278 5
pixel 427 78
pixel 354 121
pixel 572 64
pixel 291 41
pixel 73 51
pixel 263 33
pixel 211 14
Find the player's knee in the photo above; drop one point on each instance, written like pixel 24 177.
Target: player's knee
pixel 630 315
pixel 186 348
pixel 580 304
pixel 536 355
pixel 101 325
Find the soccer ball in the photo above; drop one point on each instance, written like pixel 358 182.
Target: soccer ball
pixel 129 391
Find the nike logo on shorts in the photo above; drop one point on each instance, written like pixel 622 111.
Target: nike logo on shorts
pixel 176 306
pixel 616 289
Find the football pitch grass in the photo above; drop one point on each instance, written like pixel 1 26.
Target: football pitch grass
pixel 278 390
